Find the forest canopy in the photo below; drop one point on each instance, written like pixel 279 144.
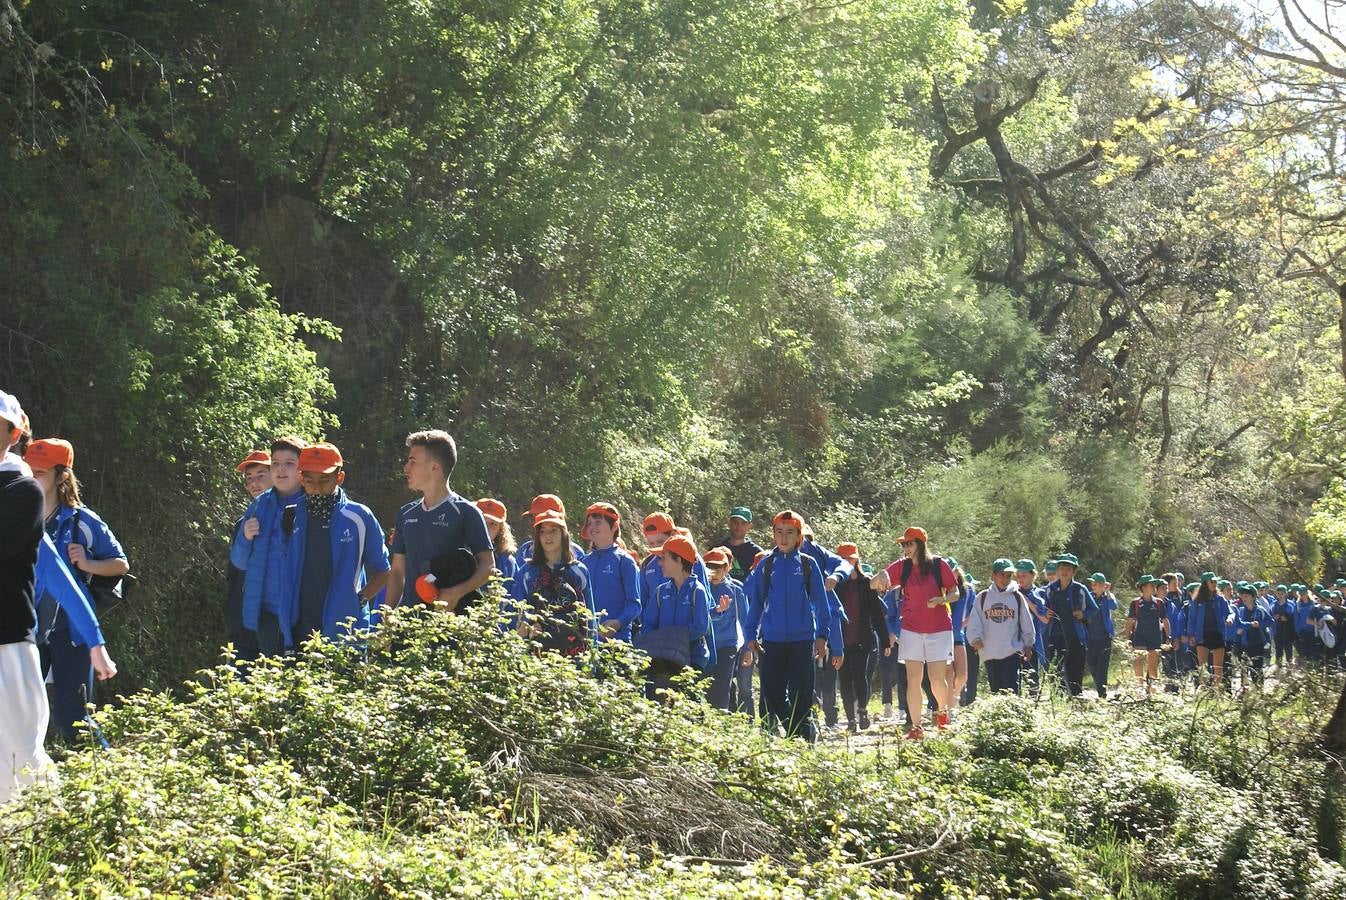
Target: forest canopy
pixel 1038 274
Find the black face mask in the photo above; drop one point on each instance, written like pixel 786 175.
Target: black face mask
pixel 320 507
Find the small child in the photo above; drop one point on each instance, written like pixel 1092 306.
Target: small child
pixel 1147 627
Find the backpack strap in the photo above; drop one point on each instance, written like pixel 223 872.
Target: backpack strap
pixel 907 566
pixel 804 562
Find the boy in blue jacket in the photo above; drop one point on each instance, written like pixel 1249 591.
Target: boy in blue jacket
pixel 344 560
pixel 613 573
pixel 1070 605
pixel 1254 630
pixel 788 623
pixel 263 547
pixel 1100 626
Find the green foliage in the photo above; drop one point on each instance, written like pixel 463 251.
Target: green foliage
pixel 424 766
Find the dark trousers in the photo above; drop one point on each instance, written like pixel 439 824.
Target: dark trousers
pixel 886 667
pixel 722 679
pixel 743 686
pixel 973 676
pixel 854 678
pixel 1068 661
pixel 1002 675
pixel 1033 670
pixel 71 681
pixel 825 690
pixel 1285 643
pixel 270 641
pixel 1098 656
pixel 787 673
pixel 1307 646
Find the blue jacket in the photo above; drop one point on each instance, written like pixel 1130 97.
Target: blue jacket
pixel 1101 624
pixel 1173 611
pixel 836 636
pixel 688 606
pixel 790 613
pixel 1194 616
pixel 1038 597
pixel 1249 637
pixel 358 551
pixel 54 578
pixel 958 613
pixel 892 611
pixel 98 542
pixel 1304 611
pixel 616 583
pixel 271 572
pixel 1064 602
pixel 506 565
pixel 728 625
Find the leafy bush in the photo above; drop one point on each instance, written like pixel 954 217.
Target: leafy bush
pixel 447 757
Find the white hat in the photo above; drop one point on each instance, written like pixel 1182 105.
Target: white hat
pixel 10 410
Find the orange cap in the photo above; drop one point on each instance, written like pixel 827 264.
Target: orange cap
pixel 492 510
pixel 681 547
pixel 657 522
pixel 607 510
pixel 254 458
pixel 848 551
pixel 718 556
pixel 550 517
pixel 321 457
pixel 913 534
pixel 789 518
pixel 426 588
pixel 49 453
pixel 545 503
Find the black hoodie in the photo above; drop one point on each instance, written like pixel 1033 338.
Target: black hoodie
pixel 20 533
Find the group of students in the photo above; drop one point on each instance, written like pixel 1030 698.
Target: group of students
pixel 306 559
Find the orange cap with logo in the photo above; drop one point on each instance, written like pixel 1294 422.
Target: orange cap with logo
pixel 49 453
pixel 545 503
pixel 607 510
pixel 718 556
pixel 913 534
pixel 790 519
pixel 657 522
pixel 322 458
pixel 492 510
pixel 849 552
pixel 254 458
pixel 680 547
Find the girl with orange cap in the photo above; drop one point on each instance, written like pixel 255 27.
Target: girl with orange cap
pixel 502 539
pixel 89 545
pixel 677 618
pixel 727 609
pixel 553 599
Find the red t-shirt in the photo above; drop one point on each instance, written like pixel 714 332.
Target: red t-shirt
pixel 916 614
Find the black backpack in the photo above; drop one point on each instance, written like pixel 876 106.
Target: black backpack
pixel 934 567
pixel 556 600
pixel 806 561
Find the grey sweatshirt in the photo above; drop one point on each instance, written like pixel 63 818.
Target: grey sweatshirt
pixel 1001 621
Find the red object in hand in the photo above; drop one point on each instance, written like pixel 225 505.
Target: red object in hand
pixel 426 588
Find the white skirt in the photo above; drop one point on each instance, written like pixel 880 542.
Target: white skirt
pixel 23 720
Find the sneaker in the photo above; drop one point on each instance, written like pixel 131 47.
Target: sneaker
pixel 942 720
pixel 887 710
pixel 864 721
pixel 915 734
pixel 852 727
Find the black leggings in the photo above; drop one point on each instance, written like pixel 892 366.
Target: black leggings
pixel 854 677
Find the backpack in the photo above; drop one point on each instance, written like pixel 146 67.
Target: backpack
pixel 1018 595
pixel 1326 634
pixel 766 574
pixel 934 567
pixel 556 601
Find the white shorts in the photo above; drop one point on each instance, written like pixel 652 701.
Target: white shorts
pixel 23 719
pixel 913 646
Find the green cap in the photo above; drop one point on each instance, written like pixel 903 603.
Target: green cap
pixel 1025 565
pixel 1146 579
pixel 866 570
pixel 1098 578
pixel 1223 583
pixel 1049 567
pixel 1281 589
pixel 741 512
pixel 953 563
pixel 1179 576
pixel 1261 584
pixel 1068 559
pixel 1005 565
pixel 1207 576
pixel 1191 586
pixel 1340 582
pixel 967 576
pixel 1248 589
pixel 1240 585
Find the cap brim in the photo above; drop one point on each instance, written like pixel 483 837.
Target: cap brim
pixel 327 471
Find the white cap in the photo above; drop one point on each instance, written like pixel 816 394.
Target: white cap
pixel 10 410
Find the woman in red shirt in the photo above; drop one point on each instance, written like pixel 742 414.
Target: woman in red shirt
pixel 928 588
